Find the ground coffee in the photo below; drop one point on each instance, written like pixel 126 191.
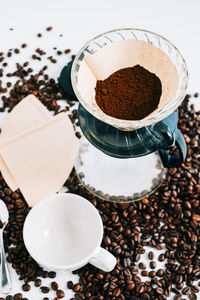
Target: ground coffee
pixel 129 94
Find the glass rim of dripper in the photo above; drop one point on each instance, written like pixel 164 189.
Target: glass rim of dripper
pixel 128 125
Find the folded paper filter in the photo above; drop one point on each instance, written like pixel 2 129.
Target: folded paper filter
pixel 37 150
pixel 119 55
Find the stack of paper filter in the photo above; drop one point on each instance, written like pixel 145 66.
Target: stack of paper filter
pixel 37 150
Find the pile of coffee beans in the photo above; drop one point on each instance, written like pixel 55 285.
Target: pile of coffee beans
pixel 168 220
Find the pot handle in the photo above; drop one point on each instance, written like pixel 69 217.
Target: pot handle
pixel 171 161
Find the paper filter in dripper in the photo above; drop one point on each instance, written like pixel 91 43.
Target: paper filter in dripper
pixel 122 54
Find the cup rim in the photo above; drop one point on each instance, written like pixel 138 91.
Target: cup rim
pixel 55 266
pixel 120 123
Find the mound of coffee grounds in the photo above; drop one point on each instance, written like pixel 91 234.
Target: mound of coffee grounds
pixel 129 94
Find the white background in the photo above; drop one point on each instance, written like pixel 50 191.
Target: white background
pixel 79 21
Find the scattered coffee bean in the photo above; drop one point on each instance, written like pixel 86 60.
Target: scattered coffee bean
pixel 186 291
pixel 26 287
pixel 152 264
pixel 195 289
pixel 130 285
pixel 16 50
pixel 152 274
pixel 49 28
pixel 151 255
pixel 52 274
pixel 145 273
pixel 76 287
pixel 45 274
pixel 54 286
pixel 44 289
pixel 60 294
pixel 70 285
pixel 177 297
pixel 18 296
pixel 24 45
pixel 161 257
pixel 67 51
pixel 142 266
pixel 160 273
pixel 38 282
pixel 159 290
pixel 192 296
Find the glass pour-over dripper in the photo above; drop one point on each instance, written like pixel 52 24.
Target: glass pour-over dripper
pixel 121 161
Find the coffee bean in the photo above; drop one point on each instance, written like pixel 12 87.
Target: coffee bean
pixel 161 257
pixel 159 290
pixel 151 255
pixel 130 285
pixel 70 285
pixel 192 296
pixel 145 273
pixel 140 289
pixel 152 274
pixel 117 292
pixel 38 282
pixel 145 296
pixel 52 274
pixel 45 298
pixel 26 287
pixel 49 28
pixel 195 289
pixel 44 289
pixel 54 286
pixel 18 296
pixel 160 273
pixel 107 240
pixel 186 291
pixel 60 294
pixel 45 274
pixel 8 297
pixel 76 287
pixel 152 264
pixel 142 266
pixel 177 297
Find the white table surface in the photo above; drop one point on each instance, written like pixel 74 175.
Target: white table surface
pixel 79 21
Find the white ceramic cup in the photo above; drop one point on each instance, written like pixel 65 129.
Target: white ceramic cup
pixel 64 232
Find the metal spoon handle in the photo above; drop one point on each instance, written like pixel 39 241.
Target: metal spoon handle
pixel 5 274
